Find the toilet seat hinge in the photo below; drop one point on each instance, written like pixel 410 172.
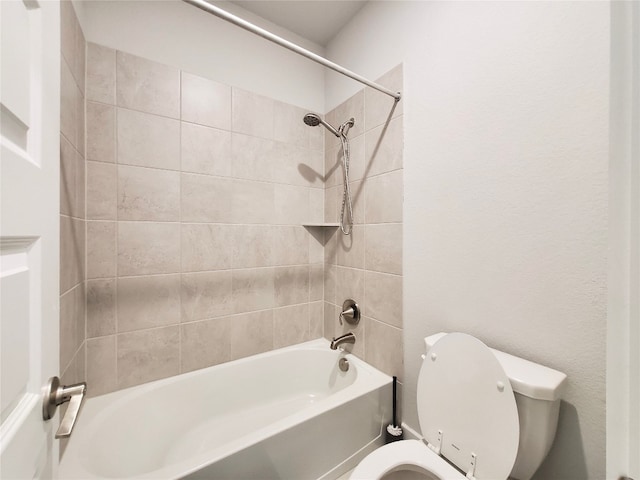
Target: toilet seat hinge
pixel 438 447
pixel 471 474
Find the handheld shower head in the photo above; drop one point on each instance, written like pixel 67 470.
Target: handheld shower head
pixel 313 120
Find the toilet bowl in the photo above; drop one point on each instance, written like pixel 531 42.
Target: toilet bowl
pixel 407 459
pixel 472 423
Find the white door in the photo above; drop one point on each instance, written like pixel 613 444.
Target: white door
pixel 29 232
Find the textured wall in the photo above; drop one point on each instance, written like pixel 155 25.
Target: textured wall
pixel 196 197
pixel 505 181
pixel 367 265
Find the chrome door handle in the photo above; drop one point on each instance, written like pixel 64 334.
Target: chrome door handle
pixel 55 395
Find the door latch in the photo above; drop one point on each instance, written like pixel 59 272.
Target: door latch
pixel 55 395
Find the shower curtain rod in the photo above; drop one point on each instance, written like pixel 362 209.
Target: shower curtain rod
pixel 220 13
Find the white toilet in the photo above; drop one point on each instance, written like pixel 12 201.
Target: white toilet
pixel 484 415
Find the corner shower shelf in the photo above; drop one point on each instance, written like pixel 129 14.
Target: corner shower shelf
pixel 330 225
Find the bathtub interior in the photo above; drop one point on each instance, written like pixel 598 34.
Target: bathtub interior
pixel 210 412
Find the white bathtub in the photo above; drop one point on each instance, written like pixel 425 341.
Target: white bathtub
pixel 286 414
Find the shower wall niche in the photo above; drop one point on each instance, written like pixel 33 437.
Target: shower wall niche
pixel 196 196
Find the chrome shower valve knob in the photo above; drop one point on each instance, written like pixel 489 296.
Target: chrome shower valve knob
pixel 350 312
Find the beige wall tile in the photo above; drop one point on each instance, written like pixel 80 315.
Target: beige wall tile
pixel 331 236
pixel 333 172
pixel 383 148
pixel 101 307
pixel 290 325
pixel 148 140
pixel 206 247
pixel 316 138
pixel 353 107
pixel 314 160
pixel 316 205
pixel 384 248
pixel 75 372
pixel 291 245
pixel 351 248
pixel 206 102
pixel 148 355
pixel 72 252
pixel 252 114
pixel 291 285
pixel 70 341
pixel 384 347
pixel 101 74
pixel 205 150
pixel 69 94
pixel 206 295
pixel 81 58
pixel 253 289
pixel 147 86
pixel 316 244
pixel 147 302
pixel 147 248
pixel 331 213
pixel 380 108
pixel 289 126
pixel 252 246
pixel 383 298
pixel 68 32
pixel 205 343
pixel 330 320
pixel 148 194
pixel 80 209
pixel 291 205
pixel 384 198
pixel 350 284
pixel 253 158
pixel 80 119
pixel 101 191
pixel 101 365
pixel 253 202
pixel 316 320
pixel 295 165
pixel 316 282
pixel 101 249
pixel 206 199
pixel 101 132
pixel 68 185
pixel 251 333
pixel 330 281
pixel 357 201
pixel 357 163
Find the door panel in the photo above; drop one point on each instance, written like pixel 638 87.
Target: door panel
pixel 29 232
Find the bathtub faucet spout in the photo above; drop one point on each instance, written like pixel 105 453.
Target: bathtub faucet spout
pixel 346 338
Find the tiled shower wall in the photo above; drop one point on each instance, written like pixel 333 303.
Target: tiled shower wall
pixel 367 265
pixel 196 197
pixel 72 198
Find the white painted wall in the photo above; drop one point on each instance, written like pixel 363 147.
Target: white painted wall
pixel 506 173
pixel 181 35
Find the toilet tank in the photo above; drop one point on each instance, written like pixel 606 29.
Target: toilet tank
pixel 537 390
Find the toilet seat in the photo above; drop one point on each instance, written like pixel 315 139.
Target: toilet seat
pixel 467 413
pixel 404 453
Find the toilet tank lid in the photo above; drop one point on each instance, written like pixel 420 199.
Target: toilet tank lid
pixel 527 378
